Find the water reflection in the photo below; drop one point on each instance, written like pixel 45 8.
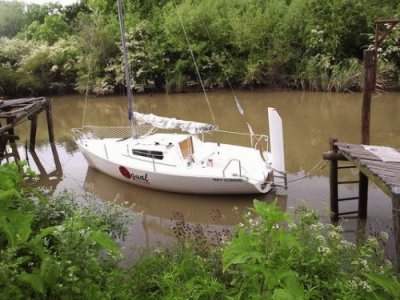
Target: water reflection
pixel 159 209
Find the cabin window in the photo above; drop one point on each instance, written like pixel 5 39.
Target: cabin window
pixel 148 153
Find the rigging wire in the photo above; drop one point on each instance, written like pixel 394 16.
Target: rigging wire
pixel 131 116
pixel 239 107
pixel 87 85
pixel 194 61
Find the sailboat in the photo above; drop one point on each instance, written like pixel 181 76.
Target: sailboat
pixel 181 161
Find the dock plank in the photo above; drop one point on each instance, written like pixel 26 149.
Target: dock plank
pixel 385 175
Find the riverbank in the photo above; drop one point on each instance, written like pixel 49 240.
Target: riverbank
pixel 244 44
pixel 68 251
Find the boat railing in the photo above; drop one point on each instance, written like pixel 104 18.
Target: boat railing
pixel 122 132
pixel 255 139
pixel 229 162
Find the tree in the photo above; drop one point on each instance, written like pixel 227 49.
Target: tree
pixel 53 28
pixel 12 18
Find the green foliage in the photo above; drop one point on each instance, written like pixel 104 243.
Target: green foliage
pixel 51 30
pixel 96 37
pixel 275 256
pixel 309 44
pixel 29 67
pixel 51 247
pixel 11 18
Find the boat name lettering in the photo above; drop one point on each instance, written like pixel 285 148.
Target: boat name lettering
pixel 140 177
pixel 125 172
pixel 227 179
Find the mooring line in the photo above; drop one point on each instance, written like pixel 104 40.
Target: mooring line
pixel 316 168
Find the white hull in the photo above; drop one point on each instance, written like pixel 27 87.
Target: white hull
pixel 213 169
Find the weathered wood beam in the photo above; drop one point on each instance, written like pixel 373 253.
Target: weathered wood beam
pixel 396 223
pixel 20 118
pixel 362 195
pixel 49 118
pixel 32 139
pixel 13 102
pixel 374 178
pixel 17 110
pixel 3 143
pixel 334 202
pixel 331 155
pixel 369 67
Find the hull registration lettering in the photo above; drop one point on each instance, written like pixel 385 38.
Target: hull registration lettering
pixel 227 179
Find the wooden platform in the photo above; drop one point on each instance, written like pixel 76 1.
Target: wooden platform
pixel 386 175
pixel 14 112
pixel 383 170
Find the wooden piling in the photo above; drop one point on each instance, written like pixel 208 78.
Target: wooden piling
pixel 32 140
pixel 49 122
pixel 334 181
pixel 11 133
pixel 362 195
pixel 369 82
pixel 369 67
pixel 3 143
pixel 396 223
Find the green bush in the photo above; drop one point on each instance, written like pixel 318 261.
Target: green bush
pixel 52 248
pixel 275 256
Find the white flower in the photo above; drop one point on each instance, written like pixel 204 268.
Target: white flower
pixel 353 284
pixel 373 241
pixel 320 238
pixel 324 250
pixel 334 235
pixel 383 236
pixel 346 245
pixel 365 286
pixel 364 263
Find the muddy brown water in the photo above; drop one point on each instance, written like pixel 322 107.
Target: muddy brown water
pixel 310 120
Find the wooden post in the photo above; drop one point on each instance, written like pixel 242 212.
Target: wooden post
pixel 362 196
pixel 49 122
pixel 41 169
pixel 57 162
pixel 14 151
pixel 3 143
pixel 369 81
pixel 396 224
pixel 334 182
pixel 369 67
pixel 11 133
pixel 32 140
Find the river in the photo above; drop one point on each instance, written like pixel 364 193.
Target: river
pixel 310 119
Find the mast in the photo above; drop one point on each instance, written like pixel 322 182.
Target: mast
pixel 126 68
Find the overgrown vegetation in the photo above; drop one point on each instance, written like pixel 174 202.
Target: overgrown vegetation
pixel 309 44
pixel 51 248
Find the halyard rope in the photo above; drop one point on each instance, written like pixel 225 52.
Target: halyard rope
pixel 194 62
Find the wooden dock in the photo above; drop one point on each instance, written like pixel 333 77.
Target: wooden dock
pixel 14 112
pixel 372 166
pixel 385 174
